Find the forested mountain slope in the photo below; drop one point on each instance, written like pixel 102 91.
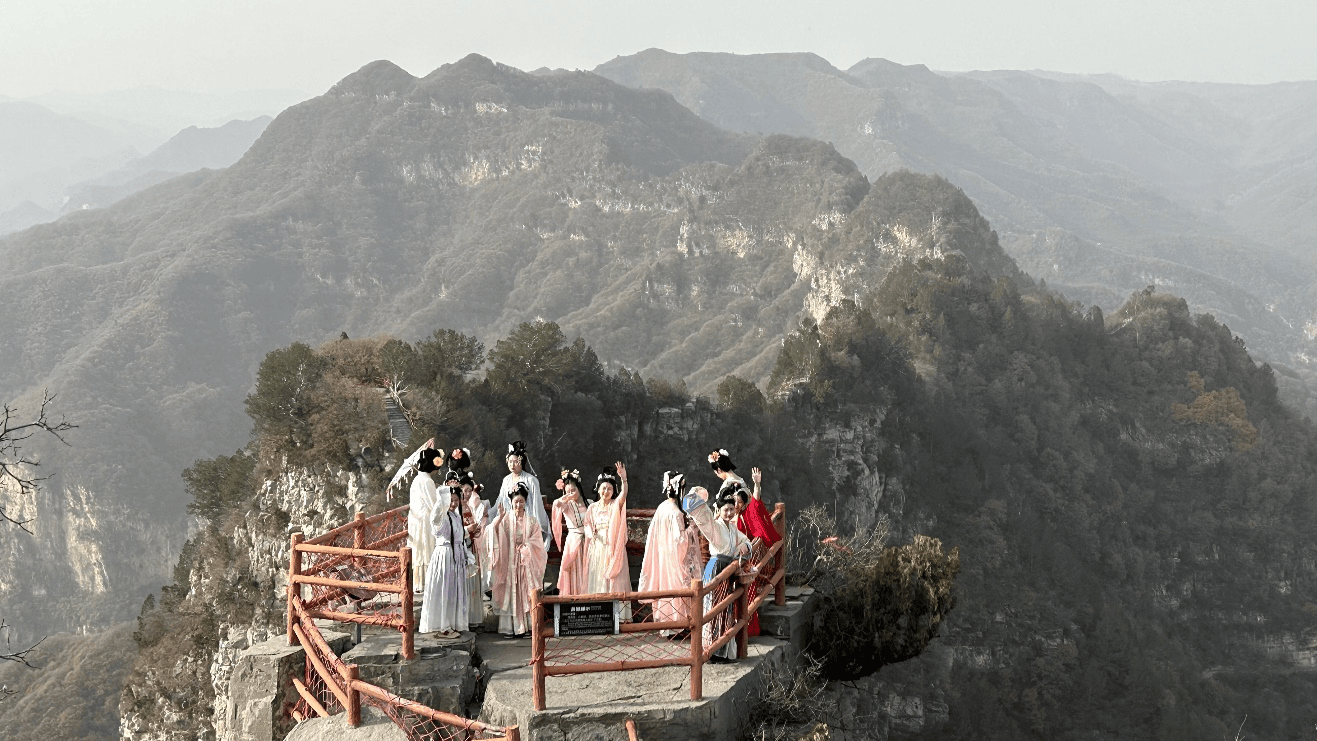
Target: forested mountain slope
pixel 476 198
pixel 1098 185
pixel 1130 503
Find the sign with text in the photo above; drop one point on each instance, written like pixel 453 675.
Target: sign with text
pixel 587 619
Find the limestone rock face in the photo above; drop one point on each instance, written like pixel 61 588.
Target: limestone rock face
pixel 182 696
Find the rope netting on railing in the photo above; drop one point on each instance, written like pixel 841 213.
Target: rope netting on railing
pixel 350 575
pixel 357 573
pixel 640 643
pixel 663 628
pixel 421 723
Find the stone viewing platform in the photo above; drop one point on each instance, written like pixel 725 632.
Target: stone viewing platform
pixel 487 676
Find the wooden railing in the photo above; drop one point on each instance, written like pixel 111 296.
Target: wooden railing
pixel 352 578
pixel 641 643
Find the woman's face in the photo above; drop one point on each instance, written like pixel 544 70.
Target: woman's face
pixel 570 491
pixel 728 512
pixel 467 489
pixel 514 464
pixel 454 500
pixel 519 505
pixel 606 490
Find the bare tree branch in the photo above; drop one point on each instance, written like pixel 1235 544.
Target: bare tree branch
pixel 14 466
pixel 21 656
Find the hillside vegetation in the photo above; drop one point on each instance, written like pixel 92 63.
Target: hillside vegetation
pixel 1128 499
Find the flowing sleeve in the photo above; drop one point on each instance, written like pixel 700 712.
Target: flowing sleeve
pixel 617 537
pixel 759 524
pixel 558 515
pixel 649 564
pixel 436 522
pixel 491 544
pixel 534 557
pixel 702 516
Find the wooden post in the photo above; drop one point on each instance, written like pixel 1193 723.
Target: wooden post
pixel 697 640
pixel 359 533
pixel 406 605
pixel 294 589
pixel 780 563
pixel 742 611
pixel 513 733
pixel 537 651
pixel 354 698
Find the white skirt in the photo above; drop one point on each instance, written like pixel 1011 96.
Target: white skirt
pixel 446 603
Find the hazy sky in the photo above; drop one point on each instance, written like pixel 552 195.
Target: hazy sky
pixel 100 45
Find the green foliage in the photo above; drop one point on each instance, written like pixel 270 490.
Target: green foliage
pixel 735 394
pixel 1100 527
pixel 283 401
pixel 218 485
pixel 448 354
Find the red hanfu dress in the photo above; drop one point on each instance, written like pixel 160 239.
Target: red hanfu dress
pixel 755 522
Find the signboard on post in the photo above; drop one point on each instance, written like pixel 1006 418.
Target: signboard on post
pixel 587 619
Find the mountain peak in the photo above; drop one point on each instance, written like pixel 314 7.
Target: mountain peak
pixel 380 77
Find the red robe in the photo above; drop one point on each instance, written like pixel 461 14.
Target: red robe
pixel 755 522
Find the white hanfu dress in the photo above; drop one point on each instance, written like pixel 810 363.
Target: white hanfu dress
pixel 424 495
pixel 725 543
pixel 609 569
pixel 445 606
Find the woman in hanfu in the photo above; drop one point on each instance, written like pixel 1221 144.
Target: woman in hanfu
pixel 445 607
pixel 672 553
pixel 758 526
pixel 570 515
pixel 726 544
pixel 609 571
pixel 519 472
pixel 473 517
pixel 723 468
pixel 424 496
pixel 518 559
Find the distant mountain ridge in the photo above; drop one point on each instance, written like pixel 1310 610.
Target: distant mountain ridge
pixel 477 197
pixel 1155 181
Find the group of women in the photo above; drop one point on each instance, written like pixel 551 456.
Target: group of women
pixel 467 546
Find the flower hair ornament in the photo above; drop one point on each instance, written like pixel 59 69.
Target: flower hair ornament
pixel 459 459
pixel 569 477
pixel 608 475
pixel 720 460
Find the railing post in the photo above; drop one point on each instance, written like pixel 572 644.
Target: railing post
pixel 697 640
pixel 743 611
pixel 780 592
pixel 294 589
pixel 406 604
pixel 359 533
pixel 354 698
pixel 512 733
pixel 537 651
